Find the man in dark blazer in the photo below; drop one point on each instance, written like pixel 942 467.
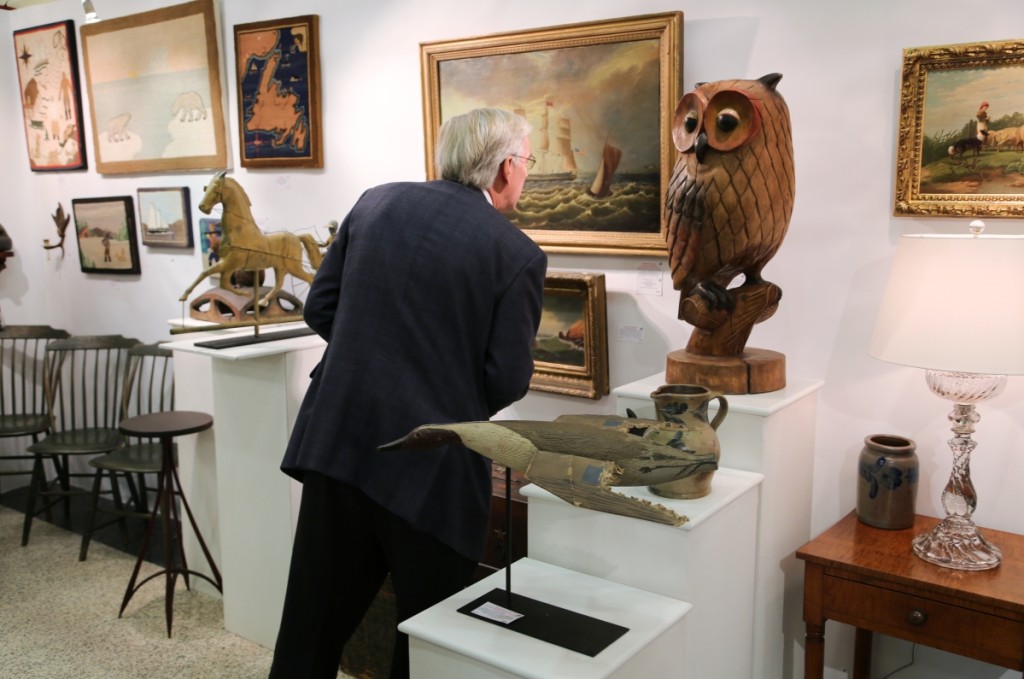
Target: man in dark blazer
pixel 429 300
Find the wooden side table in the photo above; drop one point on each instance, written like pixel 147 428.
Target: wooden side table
pixel 165 426
pixel 869 578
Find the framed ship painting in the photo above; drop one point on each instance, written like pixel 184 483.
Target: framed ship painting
pixel 278 74
pixel 154 90
pixel 164 218
pixel 51 99
pixel 105 231
pixel 570 352
pixel 600 98
pixel 961 131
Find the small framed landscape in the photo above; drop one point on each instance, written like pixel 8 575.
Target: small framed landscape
pixel 105 231
pixel 960 151
pixel 570 353
pixel 164 217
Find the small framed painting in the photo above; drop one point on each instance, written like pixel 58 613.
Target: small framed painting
pixel 570 353
pixel 51 98
pixel 278 74
pixel 105 231
pixel 164 218
pixel 209 243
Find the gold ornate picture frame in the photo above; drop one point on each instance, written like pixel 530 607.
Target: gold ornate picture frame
pixel 600 97
pixel 155 93
pixel 960 151
pixel 570 352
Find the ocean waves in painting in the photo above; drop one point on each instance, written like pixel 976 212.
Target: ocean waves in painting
pixel 633 206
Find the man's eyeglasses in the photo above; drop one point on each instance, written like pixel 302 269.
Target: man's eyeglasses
pixel 530 161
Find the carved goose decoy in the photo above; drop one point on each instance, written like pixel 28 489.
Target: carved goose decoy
pixel 580 461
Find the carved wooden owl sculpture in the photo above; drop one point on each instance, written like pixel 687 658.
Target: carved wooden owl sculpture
pixel 728 207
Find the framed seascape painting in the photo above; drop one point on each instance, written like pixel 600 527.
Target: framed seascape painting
pixel 154 90
pixel 105 230
pixel 278 74
pixel 961 131
pixel 51 99
pixel 164 217
pixel 570 353
pixel 600 97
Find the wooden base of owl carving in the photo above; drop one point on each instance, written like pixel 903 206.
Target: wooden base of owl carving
pixel 716 355
pixel 755 371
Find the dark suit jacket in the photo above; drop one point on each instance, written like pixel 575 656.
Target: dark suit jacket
pixel 429 300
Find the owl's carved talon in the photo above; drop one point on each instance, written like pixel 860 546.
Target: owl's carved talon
pixel 716 296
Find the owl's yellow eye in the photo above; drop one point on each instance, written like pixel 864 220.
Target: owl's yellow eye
pixel 731 119
pixel 686 122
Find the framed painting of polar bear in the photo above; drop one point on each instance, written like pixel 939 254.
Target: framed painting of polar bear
pixel 155 94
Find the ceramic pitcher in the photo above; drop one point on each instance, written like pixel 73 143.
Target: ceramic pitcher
pixel 686 406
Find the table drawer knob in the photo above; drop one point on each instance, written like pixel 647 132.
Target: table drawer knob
pixel 917 617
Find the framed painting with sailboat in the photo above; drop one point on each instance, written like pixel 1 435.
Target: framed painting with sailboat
pixel 600 98
pixel 164 218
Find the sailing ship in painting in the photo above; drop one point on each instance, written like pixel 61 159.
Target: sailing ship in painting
pixel 155 222
pixel 573 187
pixel 555 162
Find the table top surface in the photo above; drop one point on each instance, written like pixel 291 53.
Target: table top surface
pixel 167 423
pixel 876 554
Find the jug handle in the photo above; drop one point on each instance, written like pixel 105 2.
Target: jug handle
pixel 723 410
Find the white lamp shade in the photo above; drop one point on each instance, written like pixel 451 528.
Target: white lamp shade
pixel 954 303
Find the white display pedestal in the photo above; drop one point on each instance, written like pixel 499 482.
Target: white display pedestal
pixel 772 434
pixel 245 505
pixel 708 562
pixel 446 644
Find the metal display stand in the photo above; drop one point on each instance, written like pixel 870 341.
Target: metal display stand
pixel 546 622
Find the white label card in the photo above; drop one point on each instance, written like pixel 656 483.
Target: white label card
pixel 497 613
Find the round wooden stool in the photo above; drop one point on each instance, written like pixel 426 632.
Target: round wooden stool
pixel 165 426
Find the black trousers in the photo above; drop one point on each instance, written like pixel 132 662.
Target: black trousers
pixel 345 546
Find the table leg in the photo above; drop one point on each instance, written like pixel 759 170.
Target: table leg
pixel 862 654
pixel 814 643
pixel 166 500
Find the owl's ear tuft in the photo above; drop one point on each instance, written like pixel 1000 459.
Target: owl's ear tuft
pixel 771 80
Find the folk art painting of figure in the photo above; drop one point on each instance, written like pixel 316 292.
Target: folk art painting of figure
pixel 50 99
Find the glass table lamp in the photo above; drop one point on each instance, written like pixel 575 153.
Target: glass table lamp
pixel 953 307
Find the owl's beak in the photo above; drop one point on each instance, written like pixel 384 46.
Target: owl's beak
pixel 701 146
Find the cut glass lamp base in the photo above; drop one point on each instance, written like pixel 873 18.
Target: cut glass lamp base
pixel 957 543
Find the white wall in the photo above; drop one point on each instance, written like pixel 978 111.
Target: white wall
pixel 841 65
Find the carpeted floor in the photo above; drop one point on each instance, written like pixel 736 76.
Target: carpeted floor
pixel 58 617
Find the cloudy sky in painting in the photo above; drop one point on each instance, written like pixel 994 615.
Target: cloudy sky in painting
pixel 607 92
pixel 952 97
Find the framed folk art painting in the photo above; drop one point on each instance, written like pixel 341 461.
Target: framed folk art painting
pixel 960 151
pixel 570 353
pixel 105 231
pixel 164 217
pixel 278 74
pixel 154 90
pixel 600 97
pixel 51 100
pixel 209 243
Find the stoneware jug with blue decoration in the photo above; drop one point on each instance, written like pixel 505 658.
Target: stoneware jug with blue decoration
pixel 684 407
pixel 887 472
